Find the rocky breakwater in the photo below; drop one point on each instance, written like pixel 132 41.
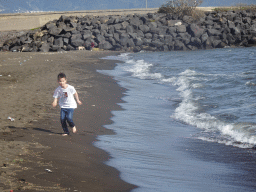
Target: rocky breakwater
pixel 151 32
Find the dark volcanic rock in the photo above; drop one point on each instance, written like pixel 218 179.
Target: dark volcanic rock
pixel 195 30
pixel 106 46
pixel 77 42
pixel 44 48
pixel 152 32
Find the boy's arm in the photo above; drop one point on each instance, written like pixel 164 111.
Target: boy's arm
pixel 77 99
pixel 55 102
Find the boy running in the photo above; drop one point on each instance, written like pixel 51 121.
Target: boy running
pixel 65 93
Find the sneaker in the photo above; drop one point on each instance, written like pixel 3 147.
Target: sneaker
pixel 74 129
pixel 64 134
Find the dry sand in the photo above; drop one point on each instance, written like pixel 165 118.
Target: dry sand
pixel 32 144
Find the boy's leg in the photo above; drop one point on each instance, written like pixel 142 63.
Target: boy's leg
pixel 63 118
pixel 70 119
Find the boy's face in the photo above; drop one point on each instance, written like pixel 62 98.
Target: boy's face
pixel 62 82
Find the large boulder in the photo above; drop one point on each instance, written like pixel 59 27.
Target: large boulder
pixel 135 22
pixel 181 28
pixel 76 36
pixel 55 48
pixel 231 39
pixel 213 32
pixel 253 29
pixel 172 31
pixel 77 42
pixel 87 44
pixel 111 29
pixel 146 41
pixel 100 38
pixel 252 41
pixel 178 45
pixel 129 29
pixel 112 41
pixel 55 31
pixel 204 37
pixel 124 39
pixel 27 48
pixel 44 48
pixel 70 48
pixel 184 37
pixel 162 30
pixel 117 37
pixel 138 41
pixel 208 44
pixel 216 43
pixel 124 25
pixel 87 35
pixel 104 19
pixel 50 25
pixel 156 43
pixel 144 28
pixel 231 15
pixel 111 20
pixel 235 31
pixel 65 41
pixel 103 27
pixel 140 34
pixel 148 35
pixel 196 42
pixel 152 25
pixel 133 35
pixel 144 19
pixel 117 26
pixel 231 24
pixel 73 25
pixel 106 46
pixel 58 42
pixel 130 43
pixel 168 39
pixel 172 23
pixel 16 49
pixel 247 20
pixel 195 30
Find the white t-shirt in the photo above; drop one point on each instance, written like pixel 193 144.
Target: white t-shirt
pixel 66 97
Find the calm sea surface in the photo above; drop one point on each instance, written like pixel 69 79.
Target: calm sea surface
pixel 189 120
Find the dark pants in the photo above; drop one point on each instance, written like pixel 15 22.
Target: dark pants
pixel 66 115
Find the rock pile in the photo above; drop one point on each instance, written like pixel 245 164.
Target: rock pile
pixel 152 32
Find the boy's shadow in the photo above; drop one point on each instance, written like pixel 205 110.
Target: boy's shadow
pixel 47 131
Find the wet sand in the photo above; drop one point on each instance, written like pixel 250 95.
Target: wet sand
pixel 34 155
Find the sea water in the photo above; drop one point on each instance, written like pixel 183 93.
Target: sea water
pixel 188 122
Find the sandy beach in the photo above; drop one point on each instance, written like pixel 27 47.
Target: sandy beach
pixel 34 155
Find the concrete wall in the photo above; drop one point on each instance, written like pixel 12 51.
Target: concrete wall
pixel 26 21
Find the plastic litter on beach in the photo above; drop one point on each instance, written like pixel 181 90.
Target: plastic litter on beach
pixel 48 170
pixel 11 119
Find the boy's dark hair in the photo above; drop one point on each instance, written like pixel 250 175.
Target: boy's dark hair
pixel 61 75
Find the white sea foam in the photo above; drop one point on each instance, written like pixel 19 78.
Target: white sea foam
pixel 169 80
pixel 249 83
pixel 141 69
pixel 188 111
